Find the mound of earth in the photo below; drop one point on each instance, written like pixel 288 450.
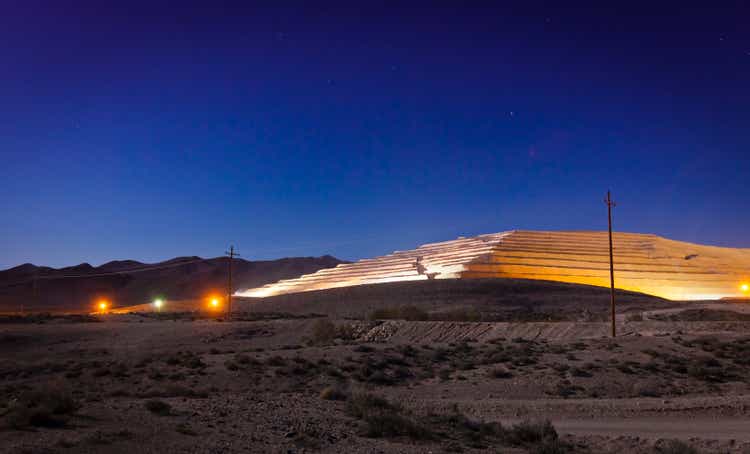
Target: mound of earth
pixel 460 300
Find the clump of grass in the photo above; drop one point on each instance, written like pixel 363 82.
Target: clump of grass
pixel 158 407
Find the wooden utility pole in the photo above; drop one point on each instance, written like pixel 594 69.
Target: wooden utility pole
pixel 231 255
pixel 610 203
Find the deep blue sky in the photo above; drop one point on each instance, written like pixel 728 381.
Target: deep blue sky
pixel 147 131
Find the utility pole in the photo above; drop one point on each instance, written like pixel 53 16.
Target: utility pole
pixel 231 255
pixel 610 203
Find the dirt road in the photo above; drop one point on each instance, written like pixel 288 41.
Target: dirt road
pixel 659 427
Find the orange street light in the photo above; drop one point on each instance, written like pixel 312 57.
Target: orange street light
pixel 214 302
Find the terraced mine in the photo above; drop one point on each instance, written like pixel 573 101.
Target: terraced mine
pixel 643 263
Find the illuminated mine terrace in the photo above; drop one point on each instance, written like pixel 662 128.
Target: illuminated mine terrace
pixel 643 263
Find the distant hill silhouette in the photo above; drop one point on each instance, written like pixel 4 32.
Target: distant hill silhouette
pixel 128 282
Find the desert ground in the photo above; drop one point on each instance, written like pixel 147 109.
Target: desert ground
pixel 405 373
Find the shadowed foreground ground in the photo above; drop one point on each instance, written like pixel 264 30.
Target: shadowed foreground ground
pixel 142 383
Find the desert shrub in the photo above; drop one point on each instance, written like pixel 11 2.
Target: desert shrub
pixel 549 446
pixel 383 419
pixel 185 359
pixel 346 332
pixel 379 377
pixel 241 358
pixel 581 373
pixel 275 361
pixel 439 355
pixel 637 317
pixel 444 374
pixel 292 347
pixel 158 407
pixel 566 390
pixel 475 433
pixel 675 447
pixel 323 332
pixel 155 374
pixel 393 424
pixel 333 393
pixel 334 372
pixel 500 372
pixel 194 362
pixel 363 349
pixel 362 404
pixel 45 406
pixel 647 389
pixel 185 429
pixel 531 433
pixel 119 392
pixel 107 438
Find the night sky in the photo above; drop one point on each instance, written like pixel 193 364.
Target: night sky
pixel 147 132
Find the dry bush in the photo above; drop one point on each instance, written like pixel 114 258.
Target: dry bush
pixel 477 434
pixel 500 372
pixel 384 419
pixel 537 436
pixel 674 447
pixel 323 332
pixel 47 405
pixel 334 393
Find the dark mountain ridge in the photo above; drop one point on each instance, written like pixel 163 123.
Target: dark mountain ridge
pixel 128 282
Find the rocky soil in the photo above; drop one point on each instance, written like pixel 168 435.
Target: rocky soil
pixel 276 383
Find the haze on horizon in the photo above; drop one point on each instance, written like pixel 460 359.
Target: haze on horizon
pixel 146 132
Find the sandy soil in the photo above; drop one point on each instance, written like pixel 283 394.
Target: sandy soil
pixel 265 385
